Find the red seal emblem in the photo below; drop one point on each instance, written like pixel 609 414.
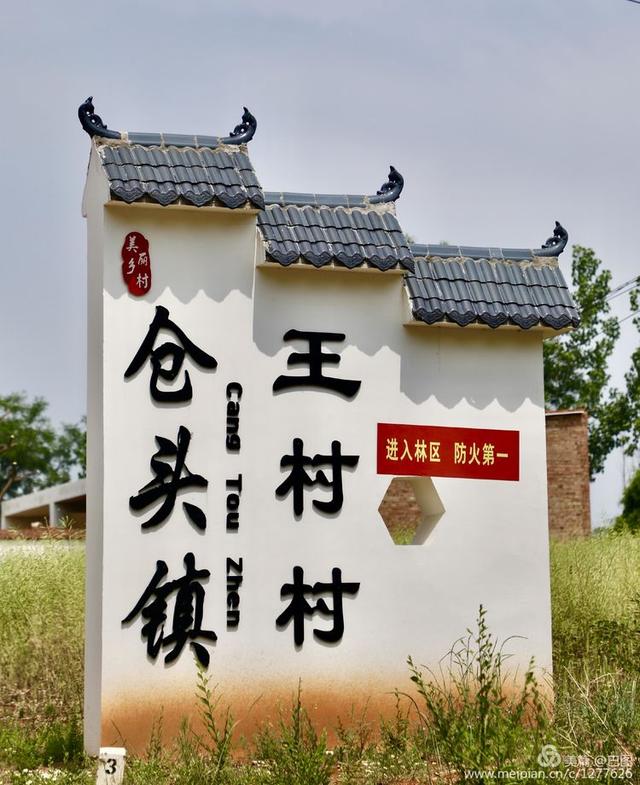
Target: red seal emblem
pixel 136 264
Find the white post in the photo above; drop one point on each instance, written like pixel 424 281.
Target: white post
pixel 54 515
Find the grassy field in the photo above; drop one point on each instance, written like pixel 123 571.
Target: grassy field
pixel 596 632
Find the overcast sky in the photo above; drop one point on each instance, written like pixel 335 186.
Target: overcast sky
pixel 503 115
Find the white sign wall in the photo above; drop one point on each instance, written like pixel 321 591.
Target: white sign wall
pixel 195 547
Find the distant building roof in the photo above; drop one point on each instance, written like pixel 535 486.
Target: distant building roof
pixel 566 412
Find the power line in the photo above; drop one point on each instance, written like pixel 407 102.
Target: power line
pixel 632 281
pixel 620 293
pixel 635 313
pixel 636 278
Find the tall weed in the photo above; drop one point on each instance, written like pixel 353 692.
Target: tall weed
pixel 295 754
pixel 595 594
pixel 217 743
pixel 41 631
pixel 598 712
pixel 473 716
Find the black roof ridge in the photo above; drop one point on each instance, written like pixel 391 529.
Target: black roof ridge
pixel 164 141
pixel 386 195
pixel 551 248
pixel 93 124
pixel 317 201
pixel 520 256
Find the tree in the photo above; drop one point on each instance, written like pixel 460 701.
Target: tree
pixel 576 364
pixel 71 453
pixel 32 453
pixel 628 405
pixel 629 520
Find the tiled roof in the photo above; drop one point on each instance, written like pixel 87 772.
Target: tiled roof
pixel 319 230
pixel 492 287
pixel 457 284
pixel 169 168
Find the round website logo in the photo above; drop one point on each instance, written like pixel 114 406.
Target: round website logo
pixel 549 757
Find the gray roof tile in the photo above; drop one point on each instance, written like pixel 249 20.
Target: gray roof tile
pixel 136 137
pixel 517 253
pixel 493 291
pixel 207 141
pixel 446 283
pixel 166 168
pixel 318 234
pixel 317 200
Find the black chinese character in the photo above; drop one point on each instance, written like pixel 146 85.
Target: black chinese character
pixel 315 358
pixel 186 624
pixel 298 478
pixel 175 352
pixel 169 481
pixel 299 608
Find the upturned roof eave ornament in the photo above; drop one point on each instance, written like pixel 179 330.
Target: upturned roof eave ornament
pixel 95 126
pixel 390 190
pixel 556 244
pixel 244 131
pixel 92 123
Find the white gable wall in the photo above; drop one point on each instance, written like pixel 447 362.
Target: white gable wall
pixel 489 547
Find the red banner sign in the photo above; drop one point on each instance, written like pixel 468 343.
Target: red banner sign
pixel 437 451
pixel 136 263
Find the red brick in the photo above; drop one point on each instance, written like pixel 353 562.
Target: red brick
pixel 568 474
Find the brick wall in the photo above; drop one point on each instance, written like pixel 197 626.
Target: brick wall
pixel 399 508
pixel 568 474
pixel 567 481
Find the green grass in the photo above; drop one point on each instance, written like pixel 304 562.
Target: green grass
pixel 596 638
pixel 41 631
pixel 41 660
pixel 595 585
pixel 595 589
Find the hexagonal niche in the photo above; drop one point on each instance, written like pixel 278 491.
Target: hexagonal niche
pixel 410 509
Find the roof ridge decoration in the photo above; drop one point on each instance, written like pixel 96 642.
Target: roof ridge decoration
pixel 95 126
pixel 244 131
pixel 92 123
pixel 555 244
pixel 390 190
